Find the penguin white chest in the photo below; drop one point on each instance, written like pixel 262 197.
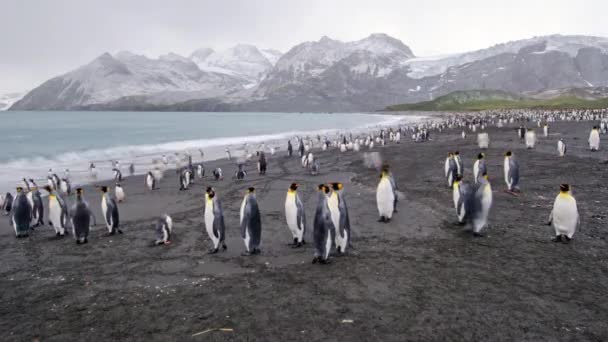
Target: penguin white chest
pixel 209 218
pixel 476 170
pixel 333 203
pixel 291 213
pixel 456 195
pixel 565 215
pixel 149 182
pixel 385 198
pixel 55 213
pixel 507 168
pixel 120 194
pixel 104 209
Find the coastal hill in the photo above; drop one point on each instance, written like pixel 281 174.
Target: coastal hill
pixel 324 75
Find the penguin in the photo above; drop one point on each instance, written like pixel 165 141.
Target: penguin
pixel 483 140
pixel 322 227
pixel 315 168
pixel 7 203
pixel 21 214
pixel 131 169
pixel 240 173
pixel 109 209
pixel 301 148
pixel 51 182
pixel 594 139
pixel 521 132
pixel 451 169
pixel 228 155
pixel 80 217
pixel 163 230
pixel 561 148
pixel 462 194
pixel 511 170
pixel 479 167
pixel 37 206
pixel 342 229
pixel 458 161
pixel 295 216
pixel 385 197
pixel 482 203
pixel 217 174
pixel 184 179
pixel 58 212
pixel 214 221
pixel 200 171
pixel 66 186
pixel 119 193
pixel 117 175
pixel 262 163
pixel 463 135
pixel 289 148
pixel 92 171
pixel 530 139
pixel 165 160
pixel 564 215
pixel 150 181
pixel 546 130
pixel 251 225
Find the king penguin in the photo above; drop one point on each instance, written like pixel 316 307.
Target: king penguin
pixel 463 200
pixel 217 174
pixel 109 209
pixel 81 216
pixel 385 197
pixel 21 214
pixel 163 230
pixel 561 148
pixel 184 179
pixel 342 230
pixel 451 169
pixel 214 221
pixel 58 212
pixel 200 171
pixel 479 167
pixel 458 161
pixel 322 227
pixel 240 173
pixel 150 181
pixel 262 165
pixel 37 206
pixel 564 216
pixel 119 192
pixel 295 216
pixel 594 139
pixel 7 203
pixel 482 203
pixel 530 139
pixel 251 225
pixel 511 169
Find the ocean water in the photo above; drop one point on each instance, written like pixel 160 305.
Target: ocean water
pixel 31 143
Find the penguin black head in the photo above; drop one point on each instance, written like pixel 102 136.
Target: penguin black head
pixel 323 188
pixel 79 191
pixel 118 184
pixel 19 189
pixel 103 189
pixel 480 156
pixel 594 127
pixel 293 187
pixel 210 192
pixel 48 188
pixel 457 153
pixel 251 190
pixel 564 187
pixel 508 154
pixel 337 186
pixel 458 178
pixel 485 174
pixel 450 154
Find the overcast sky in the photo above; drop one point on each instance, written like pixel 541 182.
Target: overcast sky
pixel 40 39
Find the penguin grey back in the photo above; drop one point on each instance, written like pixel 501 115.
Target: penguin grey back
pixel 252 222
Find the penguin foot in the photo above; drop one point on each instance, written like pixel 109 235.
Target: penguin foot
pixel 110 233
pixel 324 261
pixel 382 219
pixel 119 231
pixel 476 234
pixel 224 247
pixel 213 251
pixel 314 260
pixel 246 254
pixel 256 251
pixel 566 240
pixel 557 239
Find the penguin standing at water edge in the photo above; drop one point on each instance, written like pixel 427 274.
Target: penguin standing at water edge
pixel 295 216
pixel 322 227
pixel 21 214
pixel 80 216
pixel 58 212
pixel 150 181
pixel 214 221
pixel 109 209
pixel 251 225
pixel 564 216
pixel 37 206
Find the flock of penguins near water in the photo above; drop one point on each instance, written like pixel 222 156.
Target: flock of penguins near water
pixel 331 226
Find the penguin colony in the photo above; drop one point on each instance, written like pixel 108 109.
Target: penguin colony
pixel 331 229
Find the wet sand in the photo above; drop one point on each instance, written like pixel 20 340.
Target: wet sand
pixel 419 277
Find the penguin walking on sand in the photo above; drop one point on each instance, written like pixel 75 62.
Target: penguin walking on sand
pixel 214 221
pixel 289 148
pixel 262 163
pixel 81 216
pixel 251 225
pixel 131 169
pixel 109 209
pixel 458 161
pixel 65 186
pixel 385 197
pixel 200 171
pixel 479 167
pixel 483 140
pixel 511 170
pixel 119 193
pixel 295 216
pixel 462 194
pixel 217 174
pixel 546 130
pixel 530 139
pixel 150 181
pixel 594 139
pixel 7 203
pixel 322 227
pixel 184 179
pixel 482 203
pixel 315 168
pixel 451 169
pixel 117 175
pixel 92 171
pixel 564 215
pixel 163 230
pixel 339 217
pixel 37 206
pixel 21 214
pixel 58 212
pixel 561 148
pixel 240 173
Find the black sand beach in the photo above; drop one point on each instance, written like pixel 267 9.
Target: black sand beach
pixel 418 278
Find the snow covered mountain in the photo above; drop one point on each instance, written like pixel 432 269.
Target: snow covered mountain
pixel 323 75
pixel 7 100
